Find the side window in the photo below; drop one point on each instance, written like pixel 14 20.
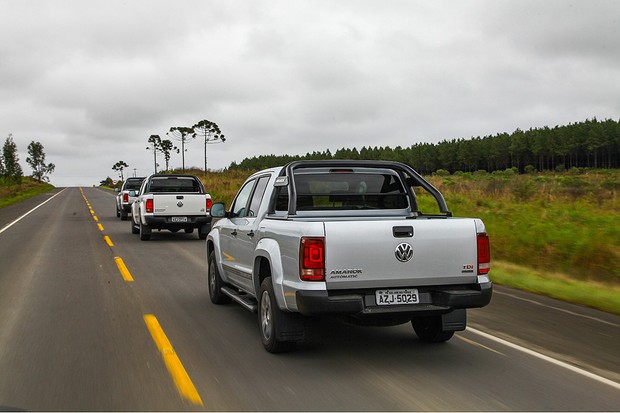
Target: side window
pixel 143 186
pixel 238 208
pixel 257 197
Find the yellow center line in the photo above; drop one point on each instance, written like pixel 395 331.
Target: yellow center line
pixel 100 227
pixel 184 384
pixel 123 269
pixel 108 241
pixel 95 218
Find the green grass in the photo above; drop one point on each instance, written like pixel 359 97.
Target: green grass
pixel 11 194
pixel 593 294
pixel 553 222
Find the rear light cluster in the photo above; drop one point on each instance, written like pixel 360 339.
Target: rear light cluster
pixel 312 259
pixel 484 254
pixel 209 204
pixel 125 198
pixel 149 205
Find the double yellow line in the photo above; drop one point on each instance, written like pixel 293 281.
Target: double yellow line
pixel 181 379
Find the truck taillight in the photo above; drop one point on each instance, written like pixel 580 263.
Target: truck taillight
pixel 125 197
pixel 209 204
pixel 484 254
pixel 149 205
pixel 312 259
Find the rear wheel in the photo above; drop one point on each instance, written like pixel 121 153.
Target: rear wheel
pixel 134 228
pixel 145 232
pixel 123 215
pixel 118 213
pixel 203 231
pixel 215 283
pixel 430 330
pixel 271 320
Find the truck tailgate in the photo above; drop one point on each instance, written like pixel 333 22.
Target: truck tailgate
pixel 181 204
pixel 400 253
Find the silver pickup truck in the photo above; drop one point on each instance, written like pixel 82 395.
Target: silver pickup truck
pixel 172 202
pixel 346 239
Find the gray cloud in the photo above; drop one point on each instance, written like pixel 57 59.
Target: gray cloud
pixel 93 80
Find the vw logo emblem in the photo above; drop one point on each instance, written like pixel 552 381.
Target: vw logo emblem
pixel 180 204
pixel 403 252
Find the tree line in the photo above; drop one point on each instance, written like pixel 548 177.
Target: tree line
pixel 11 172
pixel 591 143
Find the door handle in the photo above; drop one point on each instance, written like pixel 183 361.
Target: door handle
pixel 250 234
pixel 234 233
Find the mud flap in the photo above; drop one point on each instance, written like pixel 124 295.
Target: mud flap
pixel 290 327
pixel 456 320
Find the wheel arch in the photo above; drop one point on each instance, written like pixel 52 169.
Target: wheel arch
pixel 268 263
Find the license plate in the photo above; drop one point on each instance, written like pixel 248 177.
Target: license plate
pixel 178 219
pixel 397 297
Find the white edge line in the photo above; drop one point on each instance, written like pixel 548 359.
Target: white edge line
pixel 20 218
pixel 547 358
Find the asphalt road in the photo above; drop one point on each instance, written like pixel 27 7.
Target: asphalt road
pixel 74 335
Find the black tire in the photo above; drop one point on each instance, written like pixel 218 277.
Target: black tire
pixel 189 230
pixel 118 213
pixel 123 215
pixel 270 320
pixel 134 228
pixel 215 283
pixel 429 329
pixel 203 231
pixel 145 232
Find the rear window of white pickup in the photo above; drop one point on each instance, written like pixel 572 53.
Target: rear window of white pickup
pixel 168 184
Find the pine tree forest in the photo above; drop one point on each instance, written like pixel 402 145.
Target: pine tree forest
pixel 588 144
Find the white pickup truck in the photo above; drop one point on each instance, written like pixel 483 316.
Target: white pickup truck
pixel 346 239
pixel 123 198
pixel 172 202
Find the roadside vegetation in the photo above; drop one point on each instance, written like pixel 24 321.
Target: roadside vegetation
pixel 556 234
pixel 14 187
pixel 27 188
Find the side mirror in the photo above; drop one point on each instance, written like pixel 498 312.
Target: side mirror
pixel 116 190
pixel 132 193
pixel 218 210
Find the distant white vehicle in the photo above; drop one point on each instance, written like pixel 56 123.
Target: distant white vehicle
pixel 124 199
pixel 172 202
pixel 346 239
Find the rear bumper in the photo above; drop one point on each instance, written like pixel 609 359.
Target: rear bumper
pixel 433 299
pixel 166 222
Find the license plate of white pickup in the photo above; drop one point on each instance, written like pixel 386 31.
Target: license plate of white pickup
pixel 178 219
pixel 397 297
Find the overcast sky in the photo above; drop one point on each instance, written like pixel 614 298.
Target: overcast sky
pixel 92 80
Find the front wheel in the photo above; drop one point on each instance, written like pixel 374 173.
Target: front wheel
pixel 430 330
pixel 215 283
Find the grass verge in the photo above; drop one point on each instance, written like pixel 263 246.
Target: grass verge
pixel 602 296
pixel 28 189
